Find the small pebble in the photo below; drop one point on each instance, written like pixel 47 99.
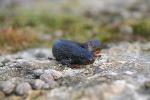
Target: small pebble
pixel 7 87
pixel 129 73
pixel 38 72
pixel 112 73
pixel 54 73
pixel 38 84
pixel 23 88
pixel 53 84
pixel 6 60
pixel 72 73
pixel 47 77
pixel 46 86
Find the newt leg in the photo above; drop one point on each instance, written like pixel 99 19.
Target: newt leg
pixel 66 62
pixel 50 58
pixel 75 66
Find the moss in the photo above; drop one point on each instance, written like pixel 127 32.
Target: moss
pixel 79 28
pixel 142 28
pixel 51 22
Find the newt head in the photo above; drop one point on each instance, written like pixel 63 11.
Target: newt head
pixel 96 53
pixel 94 47
pixel 87 58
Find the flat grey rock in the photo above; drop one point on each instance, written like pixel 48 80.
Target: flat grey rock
pixel 122 72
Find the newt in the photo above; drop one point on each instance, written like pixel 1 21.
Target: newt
pixel 69 52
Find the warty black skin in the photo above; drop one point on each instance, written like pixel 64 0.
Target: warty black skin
pixel 91 45
pixel 71 53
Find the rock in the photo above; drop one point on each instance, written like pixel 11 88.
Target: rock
pixel 38 72
pixel 7 87
pixel 46 86
pixel 38 84
pixel 23 88
pixel 54 73
pixel 122 72
pixel 5 59
pixel 52 84
pixel 16 80
pixel 48 78
pixel 72 73
pixel 99 61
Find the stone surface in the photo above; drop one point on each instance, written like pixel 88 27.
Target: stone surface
pixel 38 84
pixel 122 72
pixel 54 73
pixel 38 72
pixel 46 86
pixel 47 77
pixel 36 53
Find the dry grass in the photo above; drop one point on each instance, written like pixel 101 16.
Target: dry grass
pixel 16 39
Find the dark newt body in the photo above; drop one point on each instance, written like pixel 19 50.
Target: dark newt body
pixel 72 53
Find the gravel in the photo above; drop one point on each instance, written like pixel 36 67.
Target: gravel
pixel 23 88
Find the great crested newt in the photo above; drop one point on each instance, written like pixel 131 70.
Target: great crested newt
pixel 69 52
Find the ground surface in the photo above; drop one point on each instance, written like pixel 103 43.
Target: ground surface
pixel 122 73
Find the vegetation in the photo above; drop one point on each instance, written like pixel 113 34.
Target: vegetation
pixel 142 28
pixel 14 40
pixel 20 29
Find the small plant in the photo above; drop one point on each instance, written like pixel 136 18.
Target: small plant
pixel 142 28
